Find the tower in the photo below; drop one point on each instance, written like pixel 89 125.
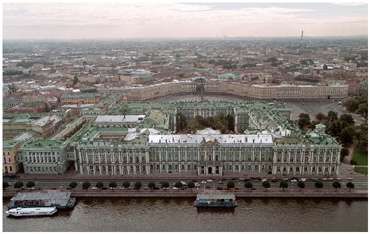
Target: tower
pixel 301 34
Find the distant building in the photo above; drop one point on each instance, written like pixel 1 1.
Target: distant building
pixel 80 98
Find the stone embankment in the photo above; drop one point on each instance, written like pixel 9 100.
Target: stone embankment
pixel 239 194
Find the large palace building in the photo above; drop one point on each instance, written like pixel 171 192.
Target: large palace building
pixel 256 91
pixel 263 142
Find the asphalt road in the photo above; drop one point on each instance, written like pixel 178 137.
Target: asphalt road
pixel 210 184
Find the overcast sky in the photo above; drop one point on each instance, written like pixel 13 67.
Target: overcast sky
pixel 177 19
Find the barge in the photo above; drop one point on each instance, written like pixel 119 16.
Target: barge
pixel 47 198
pixel 215 200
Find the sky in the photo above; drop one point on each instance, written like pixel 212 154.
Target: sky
pixel 181 19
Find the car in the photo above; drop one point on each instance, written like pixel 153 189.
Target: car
pixel 263 180
pixel 209 181
pixel 203 182
pixel 303 179
pixel 174 188
pixel 183 183
pixel 197 184
pixel 220 182
pixel 10 176
pixel 94 188
pixel 219 188
pixel 293 181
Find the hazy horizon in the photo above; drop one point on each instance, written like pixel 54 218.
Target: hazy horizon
pixel 181 20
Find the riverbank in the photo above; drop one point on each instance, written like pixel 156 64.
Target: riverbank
pixel 360 194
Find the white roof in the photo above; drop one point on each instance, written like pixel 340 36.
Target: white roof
pixel 208 131
pixel 221 138
pixel 44 120
pixel 119 118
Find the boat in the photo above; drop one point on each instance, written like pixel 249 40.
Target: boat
pixel 32 211
pixel 46 198
pixel 215 199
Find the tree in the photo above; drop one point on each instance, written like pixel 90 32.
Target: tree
pixel 18 184
pixel 230 185
pixel 99 185
pixel 30 184
pixel 304 120
pixel 336 185
pixel 362 110
pixel 362 138
pixel 350 186
pixel 191 185
pixel 73 185
pixel 346 136
pixel 334 128
pixel 347 119
pixel 124 109
pixel 332 116
pixel 284 184
pixel 165 184
pixel 351 105
pixel 5 185
pixel 181 122
pixel 320 117
pixel 266 184
pixel 151 185
pixel 230 122
pixel 343 153
pixel 112 184
pixel 301 184
pixel 75 80
pixel 126 184
pixel 86 185
pixel 178 184
pixel 137 185
pixel 248 185
pixel 319 184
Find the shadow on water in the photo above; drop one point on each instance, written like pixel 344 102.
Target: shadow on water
pixel 215 210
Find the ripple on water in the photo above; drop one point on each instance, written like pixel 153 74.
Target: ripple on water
pixel 123 214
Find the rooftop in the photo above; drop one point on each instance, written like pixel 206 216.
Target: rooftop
pixel 119 118
pixel 220 138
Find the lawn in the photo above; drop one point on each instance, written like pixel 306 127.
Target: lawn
pixel 360 159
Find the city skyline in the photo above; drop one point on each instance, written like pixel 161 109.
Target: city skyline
pixel 181 19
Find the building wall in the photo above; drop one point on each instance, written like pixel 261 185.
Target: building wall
pixel 44 161
pixel 10 165
pixel 216 160
pixel 239 89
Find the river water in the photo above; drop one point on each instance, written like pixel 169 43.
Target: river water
pixel 103 214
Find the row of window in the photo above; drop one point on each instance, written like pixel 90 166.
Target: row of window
pixel 53 169
pixel 305 170
pixel 42 159
pixel 8 169
pixel 306 159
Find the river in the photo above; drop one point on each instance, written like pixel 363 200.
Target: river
pixel 141 214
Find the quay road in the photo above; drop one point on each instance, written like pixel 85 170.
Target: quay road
pixel 210 184
pixel 180 193
pixel 62 181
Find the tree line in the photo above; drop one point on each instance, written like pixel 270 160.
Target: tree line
pixel 222 122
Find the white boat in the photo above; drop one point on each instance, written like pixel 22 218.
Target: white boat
pixel 31 211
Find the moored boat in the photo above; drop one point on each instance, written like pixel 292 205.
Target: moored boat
pixel 47 198
pixel 32 211
pixel 215 200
